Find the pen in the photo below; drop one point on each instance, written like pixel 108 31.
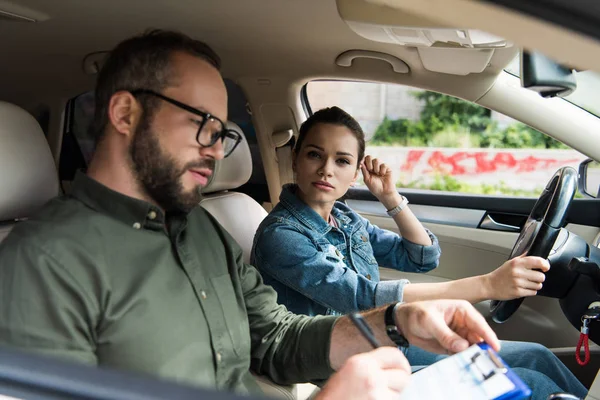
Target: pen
pixel 365 329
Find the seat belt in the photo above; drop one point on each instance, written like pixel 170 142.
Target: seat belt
pixel 283 150
pixel 284 159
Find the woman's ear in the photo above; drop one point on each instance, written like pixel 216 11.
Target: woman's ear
pixel 353 182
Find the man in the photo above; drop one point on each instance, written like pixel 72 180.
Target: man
pixel 128 272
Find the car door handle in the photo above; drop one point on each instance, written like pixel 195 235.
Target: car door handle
pixel 489 223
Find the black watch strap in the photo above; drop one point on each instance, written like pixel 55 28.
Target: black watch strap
pixel 392 330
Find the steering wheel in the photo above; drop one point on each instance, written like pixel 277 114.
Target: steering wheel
pixel 541 230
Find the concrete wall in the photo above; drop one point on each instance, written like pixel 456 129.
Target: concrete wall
pixel 528 169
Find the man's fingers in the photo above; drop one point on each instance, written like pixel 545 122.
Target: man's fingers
pixel 445 336
pixel 397 379
pixel 474 338
pixel 390 358
pixel 393 366
pixel 479 327
pixel 445 325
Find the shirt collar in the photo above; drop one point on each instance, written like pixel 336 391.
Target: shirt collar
pixel 136 213
pixel 301 211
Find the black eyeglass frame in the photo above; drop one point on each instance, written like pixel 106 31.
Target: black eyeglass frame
pixel 222 134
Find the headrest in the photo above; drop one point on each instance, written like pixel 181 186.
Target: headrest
pixel 28 176
pixel 233 171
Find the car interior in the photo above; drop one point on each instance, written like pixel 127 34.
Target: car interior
pixel 28 376
pixel 274 54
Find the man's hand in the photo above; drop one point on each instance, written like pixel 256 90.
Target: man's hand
pixel 444 326
pixel 516 278
pixel 378 374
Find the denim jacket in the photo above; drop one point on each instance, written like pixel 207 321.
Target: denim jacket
pixel 318 269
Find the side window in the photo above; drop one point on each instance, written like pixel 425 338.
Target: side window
pixel 438 142
pixel 79 144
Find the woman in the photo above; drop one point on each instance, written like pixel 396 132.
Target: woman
pixel 323 258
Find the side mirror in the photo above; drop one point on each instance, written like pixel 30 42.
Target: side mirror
pixel 589 178
pixel 542 75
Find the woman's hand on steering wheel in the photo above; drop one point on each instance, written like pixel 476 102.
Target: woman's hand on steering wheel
pixel 540 232
pixel 516 278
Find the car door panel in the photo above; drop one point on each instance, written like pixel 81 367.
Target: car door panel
pixel 469 250
pixel 582 211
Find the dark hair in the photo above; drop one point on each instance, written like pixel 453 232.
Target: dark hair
pixel 143 62
pixel 335 116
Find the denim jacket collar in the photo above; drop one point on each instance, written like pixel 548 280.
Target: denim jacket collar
pixel 303 213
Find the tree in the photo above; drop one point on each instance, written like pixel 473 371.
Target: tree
pixel 440 110
pixel 400 131
pixel 451 121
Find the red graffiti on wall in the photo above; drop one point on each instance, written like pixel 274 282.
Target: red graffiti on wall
pixel 412 159
pixel 477 162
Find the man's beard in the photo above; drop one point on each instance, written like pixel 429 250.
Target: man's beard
pixel 158 173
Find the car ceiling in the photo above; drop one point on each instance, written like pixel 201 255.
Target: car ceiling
pixel 295 39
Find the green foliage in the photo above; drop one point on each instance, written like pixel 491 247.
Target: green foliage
pixel 440 110
pixel 400 132
pixel 461 138
pixel 518 136
pixel 447 121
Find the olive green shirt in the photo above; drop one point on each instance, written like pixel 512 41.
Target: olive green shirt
pixel 109 280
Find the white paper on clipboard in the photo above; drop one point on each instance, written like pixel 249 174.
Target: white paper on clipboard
pixel 461 376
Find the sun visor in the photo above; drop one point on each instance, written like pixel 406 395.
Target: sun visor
pixel 455 61
pixel 450 51
pixel 441 49
pixel 418 36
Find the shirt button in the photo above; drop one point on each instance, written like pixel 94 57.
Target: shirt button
pixel 218 357
pixel 363 238
pixel 137 225
pixel 152 214
pixel 369 276
pixel 337 253
pixel 203 295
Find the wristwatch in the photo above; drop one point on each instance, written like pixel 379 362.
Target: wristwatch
pixel 392 330
pixel 393 211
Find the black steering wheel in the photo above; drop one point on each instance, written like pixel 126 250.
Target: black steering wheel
pixel 541 230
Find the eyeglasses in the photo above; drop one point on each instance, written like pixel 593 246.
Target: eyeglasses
pixel 210 128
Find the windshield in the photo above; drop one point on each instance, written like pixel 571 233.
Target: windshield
pixel 586 94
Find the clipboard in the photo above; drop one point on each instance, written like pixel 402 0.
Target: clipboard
pixel 477 373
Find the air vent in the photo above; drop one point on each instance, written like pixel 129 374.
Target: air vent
pixel 8 16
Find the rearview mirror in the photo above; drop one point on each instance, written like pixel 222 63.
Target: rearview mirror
pixel 542 75
pixel 589 178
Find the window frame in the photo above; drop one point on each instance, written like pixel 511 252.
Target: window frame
pixel 305 101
